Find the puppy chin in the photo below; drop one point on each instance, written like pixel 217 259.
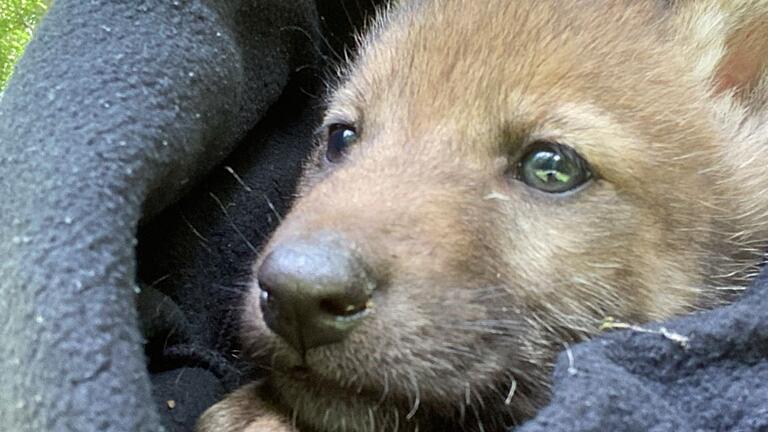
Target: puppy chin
pixel 320 404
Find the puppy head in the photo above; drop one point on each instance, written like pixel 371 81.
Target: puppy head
pixel 507 175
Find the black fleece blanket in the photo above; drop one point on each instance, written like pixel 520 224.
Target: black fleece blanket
pixel 148 147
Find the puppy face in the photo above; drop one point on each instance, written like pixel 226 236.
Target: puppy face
pixel 512 174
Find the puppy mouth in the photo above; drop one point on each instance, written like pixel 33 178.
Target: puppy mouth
pixel 305 379
pixel 310 396
pixel 303 385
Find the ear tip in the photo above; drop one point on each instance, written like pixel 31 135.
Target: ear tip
pixel 728 38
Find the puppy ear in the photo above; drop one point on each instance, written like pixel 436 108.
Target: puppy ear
pixel 727 41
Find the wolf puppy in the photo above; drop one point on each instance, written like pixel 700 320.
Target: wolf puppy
pixel 495 178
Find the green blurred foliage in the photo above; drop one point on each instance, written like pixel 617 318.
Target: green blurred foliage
pixel 17 20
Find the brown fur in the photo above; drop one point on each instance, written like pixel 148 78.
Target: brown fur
pixel 486 278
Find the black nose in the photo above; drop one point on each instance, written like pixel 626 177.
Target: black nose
pixel 314 291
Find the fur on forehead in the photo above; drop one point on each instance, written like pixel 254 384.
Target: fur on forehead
pixel 509 50
pixel 716 41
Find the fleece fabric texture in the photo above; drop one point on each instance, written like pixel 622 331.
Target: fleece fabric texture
pixel 705 372
pixel 148 149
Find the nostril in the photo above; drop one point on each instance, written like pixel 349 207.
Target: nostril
pixel 265 296
pixel 342 308
pixel 264 287
pixel 266 293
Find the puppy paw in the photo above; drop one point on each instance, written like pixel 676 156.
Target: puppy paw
pixel 244 411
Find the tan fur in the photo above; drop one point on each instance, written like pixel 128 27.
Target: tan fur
pixel 245 411
pixel 487 279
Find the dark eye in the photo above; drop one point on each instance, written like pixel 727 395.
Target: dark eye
pixel 552 168
pixel 340 136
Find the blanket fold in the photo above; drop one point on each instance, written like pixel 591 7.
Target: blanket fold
pixel 115 110
pixel 703 372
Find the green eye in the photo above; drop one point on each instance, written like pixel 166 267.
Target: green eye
pixel 552 168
